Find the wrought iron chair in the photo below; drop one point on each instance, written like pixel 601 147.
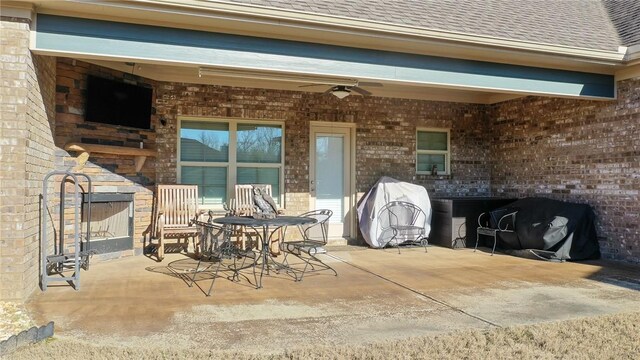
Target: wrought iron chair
pixel 494 222
pixel 314 238
pixel 401 223
pixel 220 252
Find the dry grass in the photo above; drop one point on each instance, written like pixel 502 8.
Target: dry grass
pixel 605 337
pixel 13 319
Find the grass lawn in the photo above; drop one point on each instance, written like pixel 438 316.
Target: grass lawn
pixel 605 337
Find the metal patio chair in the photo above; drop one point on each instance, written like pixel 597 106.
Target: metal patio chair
pixel 402 223
pixel 314 239
pixel 221 254
pixel 494 222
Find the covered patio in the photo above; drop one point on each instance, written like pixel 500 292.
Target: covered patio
pixel 512 118
pixel 336 98
pixel 378 295
pixel 230 109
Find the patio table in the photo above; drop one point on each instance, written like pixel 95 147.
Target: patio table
pixel 277 222
pixel 211 248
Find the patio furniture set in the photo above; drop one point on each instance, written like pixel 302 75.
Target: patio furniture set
pixel 252 233
pixel 226 243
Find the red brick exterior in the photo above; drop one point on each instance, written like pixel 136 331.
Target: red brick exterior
pixel 575 150
pixel 385 133
pixel 585 151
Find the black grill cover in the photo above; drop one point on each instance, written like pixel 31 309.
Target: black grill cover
pixel 565 231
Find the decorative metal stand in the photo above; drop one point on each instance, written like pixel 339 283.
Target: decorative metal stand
pixel 53 265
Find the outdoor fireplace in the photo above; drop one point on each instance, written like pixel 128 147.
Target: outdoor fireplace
pixel 111 221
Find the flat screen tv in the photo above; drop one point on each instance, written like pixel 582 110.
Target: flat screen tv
pixel 118 103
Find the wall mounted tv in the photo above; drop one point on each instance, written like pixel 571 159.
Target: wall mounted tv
pixel 118 103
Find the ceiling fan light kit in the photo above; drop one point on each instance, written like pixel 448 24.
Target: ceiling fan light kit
pixel 341 92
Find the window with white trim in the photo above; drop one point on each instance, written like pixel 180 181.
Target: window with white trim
pixel 433 151
pixel 217 154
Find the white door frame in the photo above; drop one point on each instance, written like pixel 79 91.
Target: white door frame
pixel 351 173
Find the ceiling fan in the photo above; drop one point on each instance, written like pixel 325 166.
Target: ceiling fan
pixel 342 91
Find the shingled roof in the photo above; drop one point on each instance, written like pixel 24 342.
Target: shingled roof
pixel 591 24
pixel 625 16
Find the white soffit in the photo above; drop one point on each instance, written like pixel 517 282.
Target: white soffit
pixel 189 74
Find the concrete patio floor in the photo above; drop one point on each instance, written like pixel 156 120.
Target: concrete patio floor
pixel 377 295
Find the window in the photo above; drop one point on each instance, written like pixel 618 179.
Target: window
pixel 217 154
pixel 432 149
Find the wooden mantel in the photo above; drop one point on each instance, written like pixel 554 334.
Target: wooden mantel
pixel 140 155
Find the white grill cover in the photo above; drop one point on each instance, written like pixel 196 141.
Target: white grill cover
pixel 386 190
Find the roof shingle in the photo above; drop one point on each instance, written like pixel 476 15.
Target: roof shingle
pixel 625 16
pixel 576 23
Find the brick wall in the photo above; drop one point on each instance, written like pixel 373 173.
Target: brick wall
pixel 26 153
pixel 386 143
pixel 385 134
pixel 575 150
pixel 71 85
pixel 509 149
pixel 108 172
pixel 385 131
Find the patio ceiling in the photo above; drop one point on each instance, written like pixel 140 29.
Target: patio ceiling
pixel 169 54
pixel 189 74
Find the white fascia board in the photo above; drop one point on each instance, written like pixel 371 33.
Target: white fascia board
pixel 13 9
pixel 633 55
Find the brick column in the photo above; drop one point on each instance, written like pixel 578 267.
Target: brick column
pixel 27 113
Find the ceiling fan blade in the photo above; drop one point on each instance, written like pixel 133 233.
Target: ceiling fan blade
pixel 309 85
pixel 370 84
pixel 360 91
